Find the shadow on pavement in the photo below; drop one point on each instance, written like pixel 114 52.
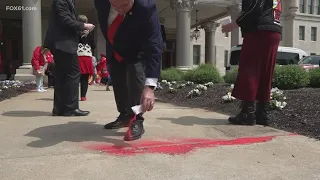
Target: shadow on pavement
pixel 73 132
pixel 193 120
pixel 26 113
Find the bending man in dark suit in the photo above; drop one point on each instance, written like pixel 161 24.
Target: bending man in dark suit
pixel 134 48
pixel 62 39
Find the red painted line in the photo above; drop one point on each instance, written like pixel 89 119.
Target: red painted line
pixel 175 147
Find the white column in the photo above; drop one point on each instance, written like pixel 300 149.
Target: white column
pixel 210 52
pixel 183 25
pixel 287 21
pixel 234 12
pixel 32 36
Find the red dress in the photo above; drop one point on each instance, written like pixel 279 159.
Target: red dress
pixel 85 59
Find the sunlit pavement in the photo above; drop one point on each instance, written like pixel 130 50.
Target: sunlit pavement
pixel 179 144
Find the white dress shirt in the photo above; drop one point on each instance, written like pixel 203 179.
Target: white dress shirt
pixel 112 16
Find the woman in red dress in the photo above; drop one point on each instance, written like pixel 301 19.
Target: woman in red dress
pixel 85 49
pixel 261 30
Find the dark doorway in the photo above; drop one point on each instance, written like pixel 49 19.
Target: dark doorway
pixel 169 55
pixel 11 46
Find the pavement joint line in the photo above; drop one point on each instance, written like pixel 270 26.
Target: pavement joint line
pixel 49 155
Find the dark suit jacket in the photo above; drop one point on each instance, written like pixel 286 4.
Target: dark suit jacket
pixel 139 33
pixel 63 28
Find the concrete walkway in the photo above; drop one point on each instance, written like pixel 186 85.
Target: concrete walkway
pixel 179 144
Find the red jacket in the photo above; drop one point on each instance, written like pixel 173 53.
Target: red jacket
pixel 38 59
pixel 102 64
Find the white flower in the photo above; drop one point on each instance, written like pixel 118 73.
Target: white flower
pixel 232 86
pixel 189 83
pixel 164 81
pixel 201 87
pixel 209 84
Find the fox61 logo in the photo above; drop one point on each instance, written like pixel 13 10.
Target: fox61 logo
pixel 20 8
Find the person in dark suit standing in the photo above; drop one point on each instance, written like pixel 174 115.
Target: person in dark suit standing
pixel 62 39
pixel 133 48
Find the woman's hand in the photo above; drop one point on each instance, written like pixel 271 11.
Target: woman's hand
pixel 229 27
pixel 40 73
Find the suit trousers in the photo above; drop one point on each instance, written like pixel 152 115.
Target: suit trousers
pixel 128 80
pixel 257 61
pixel 67 79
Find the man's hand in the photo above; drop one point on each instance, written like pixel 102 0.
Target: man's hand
pixel 147 99
pixel 88 26
pixel 229 27
pixel 85 33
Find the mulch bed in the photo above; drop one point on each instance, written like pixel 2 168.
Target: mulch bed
pixel 13 92
pixel 301 115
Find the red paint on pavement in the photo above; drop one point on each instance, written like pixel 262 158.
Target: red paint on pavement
pixel 176 147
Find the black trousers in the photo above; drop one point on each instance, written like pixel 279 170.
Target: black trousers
pixel 67 78
pixel 128 81
pixel 50 81
pixel 84 83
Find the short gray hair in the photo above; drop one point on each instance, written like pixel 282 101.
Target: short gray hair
pixel 83 18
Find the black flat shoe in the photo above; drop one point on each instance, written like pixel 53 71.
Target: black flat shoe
pixel 77 112
pixel 136 129
pixel 121 122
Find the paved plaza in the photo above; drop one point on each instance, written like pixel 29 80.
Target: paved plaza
pixel 180 143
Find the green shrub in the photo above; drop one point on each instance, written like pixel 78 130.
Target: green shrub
pixel 231 76
pixel 203 74
pixel 172 74
pixel 205 66
pixel 290 77
pixel 315 78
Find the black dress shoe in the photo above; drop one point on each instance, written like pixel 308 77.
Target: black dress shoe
pixel 76 112
pixel 136 129
pixel 121 122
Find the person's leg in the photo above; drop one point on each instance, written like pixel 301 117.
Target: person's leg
pixel 84 85
pixel 41 83
pixel 81 85
pixel 120 90
pixel 72 82
pixel 108 83
pixel 271 41
pixel 247 82
pixel 50 81
pixel 60 83
pixel 38 83
pixel 136 82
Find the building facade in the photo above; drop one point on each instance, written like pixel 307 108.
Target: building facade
pixel 26 29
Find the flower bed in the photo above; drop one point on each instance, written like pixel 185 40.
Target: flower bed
pixel 9 89
pixel 293 110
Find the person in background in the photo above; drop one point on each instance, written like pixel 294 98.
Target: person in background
pixel 62 39
pixel 102 64
pixel 105 78
pixel 50 74
pixel 261 30
pixel 93 78
pixel 40 59
pixel 85 49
